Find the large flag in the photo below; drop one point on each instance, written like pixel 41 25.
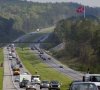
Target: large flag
pixel 80 9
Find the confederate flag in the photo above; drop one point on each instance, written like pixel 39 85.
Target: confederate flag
pixel 80 9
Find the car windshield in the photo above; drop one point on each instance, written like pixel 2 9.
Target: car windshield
pixel 45 81
pixel 54 82
pixel 95 78
pixel 84 86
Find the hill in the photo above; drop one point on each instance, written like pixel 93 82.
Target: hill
pixel 82 43
pixel 7 33
pixel 29 16
pixel 24 16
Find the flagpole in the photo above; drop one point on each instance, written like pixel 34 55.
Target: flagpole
pixel 84 12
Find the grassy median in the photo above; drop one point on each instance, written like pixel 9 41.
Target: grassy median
pixel 1 68
pixel 33 64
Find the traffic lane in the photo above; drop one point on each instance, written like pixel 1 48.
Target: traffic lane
pixel 75 75
pixel 22 70
pixel 7 80
pixel 71 73
pixel 13 61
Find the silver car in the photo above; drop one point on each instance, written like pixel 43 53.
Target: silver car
pixel 83 86
pixel 44 84
pixel 31 85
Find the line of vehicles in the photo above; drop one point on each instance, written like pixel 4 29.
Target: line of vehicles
pixel 27 81
pixel 24 79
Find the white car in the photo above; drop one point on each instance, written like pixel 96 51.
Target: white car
pixel 10 57
pixel 36 79
pixel 83 86
pixel 31 85
pixel 17 79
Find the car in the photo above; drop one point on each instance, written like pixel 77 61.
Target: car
pixel 61 66
pixel 49 58
pixel 31 85
pixel 54 85
pixel 13 55
pixel 18 62
pixel 20 65
pixel 44 84
pixel 41 52
pixel 23 83
pixel 10 57
pixel 16 72
pixel 32 48
pixel 10 54
pixel 17 79
pixel 83 86
pixel 36 79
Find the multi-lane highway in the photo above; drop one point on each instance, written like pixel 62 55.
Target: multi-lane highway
pixel 75 75
pixel 53 63
pixel 9 80
pixel 9 84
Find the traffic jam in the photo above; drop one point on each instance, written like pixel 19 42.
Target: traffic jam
pixel 26 81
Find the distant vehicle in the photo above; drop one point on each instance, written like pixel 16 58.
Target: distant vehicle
pixel 13 55
pixel 20 65
pixel 30 85
pixel 10 57
pixel 60 66
pixel 54 85
pixel 83 86
pixel 44 84
pixel 18 62
pixel 49 58
pixel 36 79
pixel 12 50
pixel 7 47
pixel 43 58
pixel 23 83
pixel 16 71
pixel 12 66
pixel 17 79
pixel 25 77
pixel 10 54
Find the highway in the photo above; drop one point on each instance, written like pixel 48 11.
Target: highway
pixel 53 63
pixel 74 75
pixel 9 84
pixel 9 80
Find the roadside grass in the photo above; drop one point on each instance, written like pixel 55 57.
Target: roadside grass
pixel 33 64
pixel 1 69
pixel 47 30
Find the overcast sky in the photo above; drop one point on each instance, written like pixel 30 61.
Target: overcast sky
pixel 93 3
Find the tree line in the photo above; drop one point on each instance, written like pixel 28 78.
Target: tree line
pixel 82 41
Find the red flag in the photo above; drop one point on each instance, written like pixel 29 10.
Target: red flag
pixel 80 9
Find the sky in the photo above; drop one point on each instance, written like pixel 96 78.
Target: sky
pixel 92 3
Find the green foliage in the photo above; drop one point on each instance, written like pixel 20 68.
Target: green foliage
pixel 1 68
pixel 82 38
pixel 7 32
